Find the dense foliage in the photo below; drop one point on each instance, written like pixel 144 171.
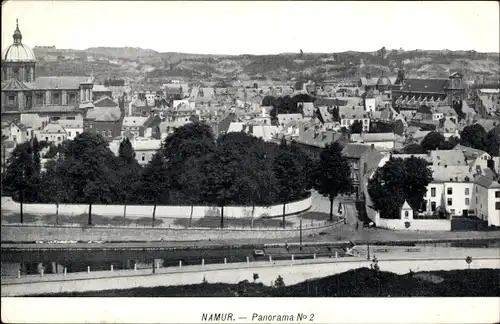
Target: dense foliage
pixel 190 168
pixel 399 180
pixel 475 136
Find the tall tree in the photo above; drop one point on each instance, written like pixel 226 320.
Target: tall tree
pixel 357 127
pixel 19 174
pixel 473 136
pixel 128 173
pixel 333 175
pixel 432 141
pixel 399 180
pixel 153 184
pixel 291 182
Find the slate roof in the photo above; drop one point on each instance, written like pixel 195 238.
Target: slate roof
pixel 425 85
pixel 308 109
pixel 375 137
pixel 105 102
pixel 104 114
pixel 59 82
pixel 355 151
pixel 357 112
pixel 285 118
pixel 469 152
pixel 325 114
pixel 487 182
pixel 329 102
pixel 15 85
pixel 54 128
pixel 133 121
pixel 450 158
pixel 457 173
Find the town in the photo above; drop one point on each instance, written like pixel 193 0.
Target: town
pixel 128 162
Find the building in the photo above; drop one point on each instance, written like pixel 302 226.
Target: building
pixel 19 133
pixel 53 133
pixel 73 127
pixel 413 93
pixel 23 93
pixel 99 91
pixel 383 142
pixel 349 115
pixel 105 118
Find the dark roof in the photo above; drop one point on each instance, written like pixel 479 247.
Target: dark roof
pixel 59 82
pixel 105 102
pixel 487 182
pixel 355 150
pixel 329 102
pixel 15 85
pixel 425 85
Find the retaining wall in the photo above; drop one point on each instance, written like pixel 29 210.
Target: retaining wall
pixel 291 274
pixel 21 233
pixel 8 205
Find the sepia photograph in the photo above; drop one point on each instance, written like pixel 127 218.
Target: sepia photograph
pixel 302 155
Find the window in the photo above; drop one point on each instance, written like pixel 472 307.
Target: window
pixel 476 189
pixel 39 96
pixel 452 211
pixel 11 100
pixel 497 205
pixel 77 133
pixel 466 191
pixel 449 191
pixel 433 206
pixel 467 201
pixel 449 202
pixel 58 138
pixel 356 177
pixel 406 214
pixel 109 133
pixel 497 194
pixel 143 157
pixel 433 192
pixel 72 99
pixel 56 98
pixel 476 200
pixel 355 165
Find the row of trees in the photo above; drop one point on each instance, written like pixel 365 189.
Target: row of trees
pixel 190 168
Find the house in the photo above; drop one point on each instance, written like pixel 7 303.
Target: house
pixel 145 149
pixel 348 115
pixel 266 132
pixel 99 91
pixel 19 133
pixel 35 121
pixel 477 159
pixel 448 158
pixel 73 127
pixel 134 125
pixel 361 158
pixel 53 133
pixel 307 108
pixel 380 141
pixel 105 121
pixel 284 119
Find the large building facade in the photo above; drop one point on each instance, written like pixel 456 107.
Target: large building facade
pixel 24 93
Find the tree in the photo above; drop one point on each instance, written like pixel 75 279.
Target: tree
pixel 90 171
pixel 473 136
pixel 18 177
pixel 290 178
pixel 468 260
pixel 268 101
pixel 153 183
pixel 333 175
pixel 279 282
pixel 432 141
pixel 357 127
pixel 52 186
pixel 255 277
pixel 128 172
pixel 399 180
pixel 492 142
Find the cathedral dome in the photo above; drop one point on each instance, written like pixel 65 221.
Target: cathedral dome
pixel 383 81
pixel 18 52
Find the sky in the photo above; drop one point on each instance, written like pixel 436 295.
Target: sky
pixel 260 27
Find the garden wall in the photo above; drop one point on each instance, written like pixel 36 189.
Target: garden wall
pixel 8 205
pixel 415 224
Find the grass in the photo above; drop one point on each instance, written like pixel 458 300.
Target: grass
pixel 214 222
pixel 354 283
pixel 81 219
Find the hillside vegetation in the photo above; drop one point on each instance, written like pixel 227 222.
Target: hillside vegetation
pixel 315 66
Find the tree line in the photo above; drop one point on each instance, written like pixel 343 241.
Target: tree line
pixel 191 168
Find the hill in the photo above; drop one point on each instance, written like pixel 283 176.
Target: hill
pixel 355 283
pixel 137 62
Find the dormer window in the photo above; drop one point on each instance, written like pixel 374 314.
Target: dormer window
pixel 56 98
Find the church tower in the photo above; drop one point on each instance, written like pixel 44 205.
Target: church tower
pixel 18 60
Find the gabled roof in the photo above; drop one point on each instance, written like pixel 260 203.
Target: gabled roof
pixel 105 102
pixel 469 152
pixel 15 85
pixel 71 123
pixel 59 82
pixel 425 85
pixel 449 158
pixel 487 182
pixel 355 150
pixel 54 128
pixel 22 127
pixel 132 121
pixel 308 109
pixel 104 114
pixel 406 206
pixel 325 114
pixel 100 88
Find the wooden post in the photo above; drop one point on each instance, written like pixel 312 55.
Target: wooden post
pixel 180 264
pixel 135 266
pixel 111 268
pixel 88 269
pixel 65 271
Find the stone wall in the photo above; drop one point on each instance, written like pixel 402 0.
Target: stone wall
pixel 10 206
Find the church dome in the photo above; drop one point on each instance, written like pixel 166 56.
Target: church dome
pixel 383 81
pixel 18 52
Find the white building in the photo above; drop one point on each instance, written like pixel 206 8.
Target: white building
pixel 348 115
pixel 73 127
pixel 52 132
pixel 370 104
pixel 19 133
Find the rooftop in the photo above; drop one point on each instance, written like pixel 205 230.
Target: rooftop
pixel 355 150
pixel 131 121
pixel 59 82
